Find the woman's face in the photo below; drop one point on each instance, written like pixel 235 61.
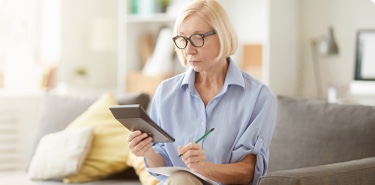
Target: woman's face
pixel 202 58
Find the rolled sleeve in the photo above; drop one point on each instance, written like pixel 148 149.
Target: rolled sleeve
pixel 257 138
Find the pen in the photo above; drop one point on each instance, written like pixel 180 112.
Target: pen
pixel 212 129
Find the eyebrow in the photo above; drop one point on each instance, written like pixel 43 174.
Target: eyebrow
pixel 196 32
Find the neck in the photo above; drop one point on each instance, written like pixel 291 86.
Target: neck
pixel 213 77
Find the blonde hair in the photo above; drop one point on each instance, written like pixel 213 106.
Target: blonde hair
pixel 217 18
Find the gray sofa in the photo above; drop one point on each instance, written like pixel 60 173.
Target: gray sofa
pixel 317 143
pixel 314 142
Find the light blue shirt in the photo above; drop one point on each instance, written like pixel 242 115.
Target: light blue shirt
pixel 242 113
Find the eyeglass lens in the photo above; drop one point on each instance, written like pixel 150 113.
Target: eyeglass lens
pixel 196 40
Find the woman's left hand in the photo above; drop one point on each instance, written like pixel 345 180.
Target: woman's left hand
pixel 193 156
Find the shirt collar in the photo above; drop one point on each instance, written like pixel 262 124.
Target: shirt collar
pixel 234 75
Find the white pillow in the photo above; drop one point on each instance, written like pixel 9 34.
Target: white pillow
pixel 61 153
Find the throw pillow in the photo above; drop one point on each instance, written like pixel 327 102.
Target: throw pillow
pixel 52 120
pixel 109 148
pixel 56 113
pixel 61 154
pixel 139 166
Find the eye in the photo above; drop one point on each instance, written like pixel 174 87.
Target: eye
pixel 196 38
pixel 180 40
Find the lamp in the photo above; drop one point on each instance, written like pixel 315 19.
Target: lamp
pixel 325 46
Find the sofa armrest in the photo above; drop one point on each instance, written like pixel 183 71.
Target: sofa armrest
pixel 355 172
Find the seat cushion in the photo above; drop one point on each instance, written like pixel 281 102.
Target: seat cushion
pixel 313 132
pixel 355 172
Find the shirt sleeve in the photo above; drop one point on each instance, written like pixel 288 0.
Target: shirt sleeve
pixel 257 137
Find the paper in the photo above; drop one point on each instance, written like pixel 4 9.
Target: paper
pixel 169 170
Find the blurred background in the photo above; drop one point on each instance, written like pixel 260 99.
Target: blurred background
pixel 90 46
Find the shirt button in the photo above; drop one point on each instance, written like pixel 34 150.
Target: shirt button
pixel 260 140
pixel 202 123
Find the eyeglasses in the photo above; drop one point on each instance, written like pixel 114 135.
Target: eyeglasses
pixel 197 40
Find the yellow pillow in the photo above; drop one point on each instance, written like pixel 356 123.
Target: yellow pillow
pixel 109 150
pixel 139 166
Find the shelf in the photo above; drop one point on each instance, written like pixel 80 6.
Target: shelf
pixel 131 28
pixel 150 18
pixel 138 82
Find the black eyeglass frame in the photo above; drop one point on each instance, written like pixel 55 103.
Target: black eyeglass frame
pixel 191 42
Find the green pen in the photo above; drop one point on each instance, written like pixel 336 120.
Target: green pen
pixel 200 139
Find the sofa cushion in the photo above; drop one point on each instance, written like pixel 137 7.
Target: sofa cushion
pixel 61 153
pixel 57 111
pixel 313 132
pixel 355 172
pixel 109 149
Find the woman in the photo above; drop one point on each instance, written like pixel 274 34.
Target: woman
pixel 212 93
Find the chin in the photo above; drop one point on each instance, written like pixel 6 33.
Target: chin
pixel 196 69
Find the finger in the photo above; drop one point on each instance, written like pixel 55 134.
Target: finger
pixel 130 138
pixel 132 135
pixel 143 147
pixel 139 140
pixel 194 156
pixel 193 146
pixel 136 140
pixel 196 146
pixel 190 146
pixel 144 143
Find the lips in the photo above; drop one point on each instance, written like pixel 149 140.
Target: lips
pixel 193 61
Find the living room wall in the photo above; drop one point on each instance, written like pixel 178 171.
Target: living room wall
pixel 87 59
pixel 285 28
pixel 282 46
pixel 346 17
pixel 293 24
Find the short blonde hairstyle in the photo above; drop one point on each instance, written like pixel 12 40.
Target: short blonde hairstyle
pixel 217 18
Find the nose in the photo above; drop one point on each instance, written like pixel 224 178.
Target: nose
pixel 190 49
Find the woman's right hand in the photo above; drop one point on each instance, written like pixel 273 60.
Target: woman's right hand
pixel 140 144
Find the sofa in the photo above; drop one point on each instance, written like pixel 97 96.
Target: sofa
pixel 314 143
pixel 78 141
pixel 320 143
